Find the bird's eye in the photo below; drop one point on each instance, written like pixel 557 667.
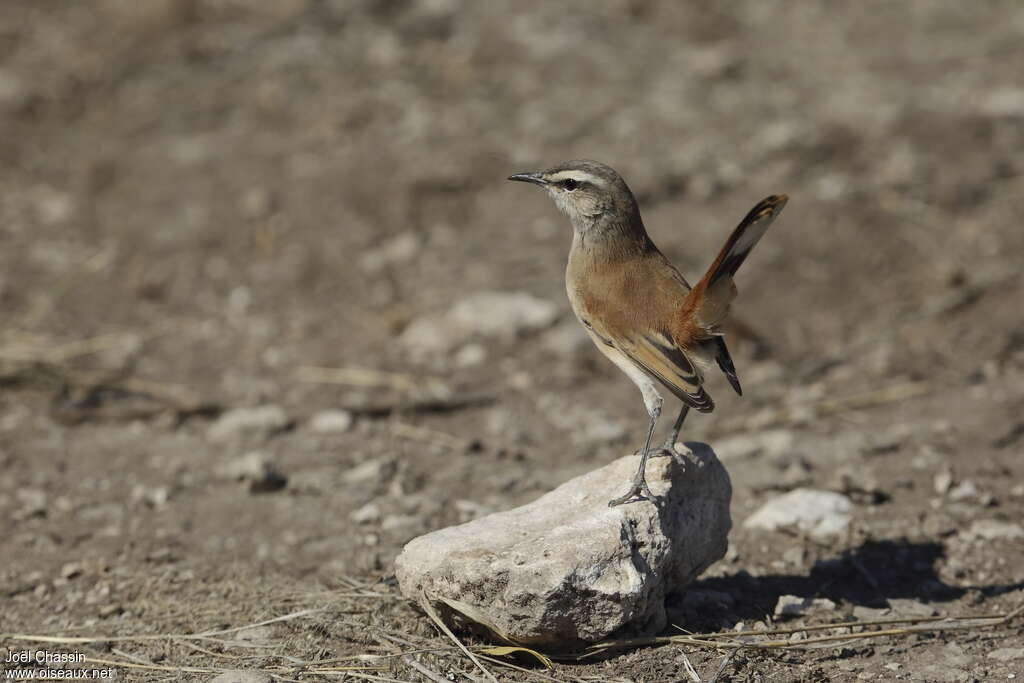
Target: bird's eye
pixel 570 184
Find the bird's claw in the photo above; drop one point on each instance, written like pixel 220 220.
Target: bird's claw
pixel 639 491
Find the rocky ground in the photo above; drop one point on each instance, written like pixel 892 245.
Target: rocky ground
pixel 269 310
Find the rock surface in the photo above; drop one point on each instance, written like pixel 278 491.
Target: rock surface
pixel 566 569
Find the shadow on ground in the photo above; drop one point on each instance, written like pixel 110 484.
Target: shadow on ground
pixel 870 576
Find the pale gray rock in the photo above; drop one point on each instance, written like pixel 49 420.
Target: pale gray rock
pixel 821 514
pixel 257 468
pixel 505 315
pixel 1006 654
pixel 242 676
pixel 797 606
pixel 331 422
pixel 993 530
pixel 261 420
pixel 566 569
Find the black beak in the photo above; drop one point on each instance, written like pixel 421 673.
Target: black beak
pixel 535 178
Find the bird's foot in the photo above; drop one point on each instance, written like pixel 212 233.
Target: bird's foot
pixel 639 491
pixel 669 449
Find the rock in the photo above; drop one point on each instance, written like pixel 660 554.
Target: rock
pixel 378 470
pixel 504 315
pixel 262 420
pixel 819 513
pixel 796 606
pixel 32 503
pixel 397 251
pixel 242 676
pixel 153 496
pixel 567 569
pixel 1003 102
pixel 1006 654
pixel 963 491
pixel 368 514
pixel 904 607
pixel 992 530
pixel 331 422
pixel 943 481
pixel 257 468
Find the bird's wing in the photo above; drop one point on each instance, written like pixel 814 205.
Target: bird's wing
pixel 658 356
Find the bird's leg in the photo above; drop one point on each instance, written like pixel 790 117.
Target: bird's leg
pixel 669 447
pixel 639 489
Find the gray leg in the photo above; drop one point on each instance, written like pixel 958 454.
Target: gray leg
pixel 639 489
pixel 669 447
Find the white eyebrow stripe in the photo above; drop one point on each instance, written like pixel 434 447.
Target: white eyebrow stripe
pixel 579 176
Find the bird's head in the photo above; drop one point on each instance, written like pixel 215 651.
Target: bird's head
pixel 590 193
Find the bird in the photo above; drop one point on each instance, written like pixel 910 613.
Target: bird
pixel 638 309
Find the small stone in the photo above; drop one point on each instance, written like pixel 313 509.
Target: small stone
pixel 568 569
pixel 109 610
pixel 893 666
pixel 331 422
pixel 992 530
pixel 796 606
pixel 153 496
pixel 257 468
pixel 504 315
pixel 71 570
pixel 821 514
pixel 33 503
pixel 377 470
pixel 1006 654
pixel 470 355
pixel 963 490
pixel 242 676
pixel 903 607
pixel 367 514
pixel 261 421
pixel 943 481
pixel 397 251
pixel 1004 102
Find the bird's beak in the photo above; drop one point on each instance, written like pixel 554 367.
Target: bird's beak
pixel 535 178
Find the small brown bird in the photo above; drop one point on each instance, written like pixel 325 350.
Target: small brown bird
pixel 641 313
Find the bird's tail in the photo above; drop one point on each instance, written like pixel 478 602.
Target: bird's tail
pixel 708 302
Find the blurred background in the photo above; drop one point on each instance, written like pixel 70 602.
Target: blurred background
pixel 268 307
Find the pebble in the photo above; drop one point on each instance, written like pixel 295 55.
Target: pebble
pixel 821 514
pixel 242 676
pixel 33 503
pixel 992 530
pixel 367 514
pixel 796 606
pixel 261 420
pixel 376 470
pixel 904 607
pixel 331 422
pixel 504 315
pixel 943 481
pixel 963 490
pixel 257 468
